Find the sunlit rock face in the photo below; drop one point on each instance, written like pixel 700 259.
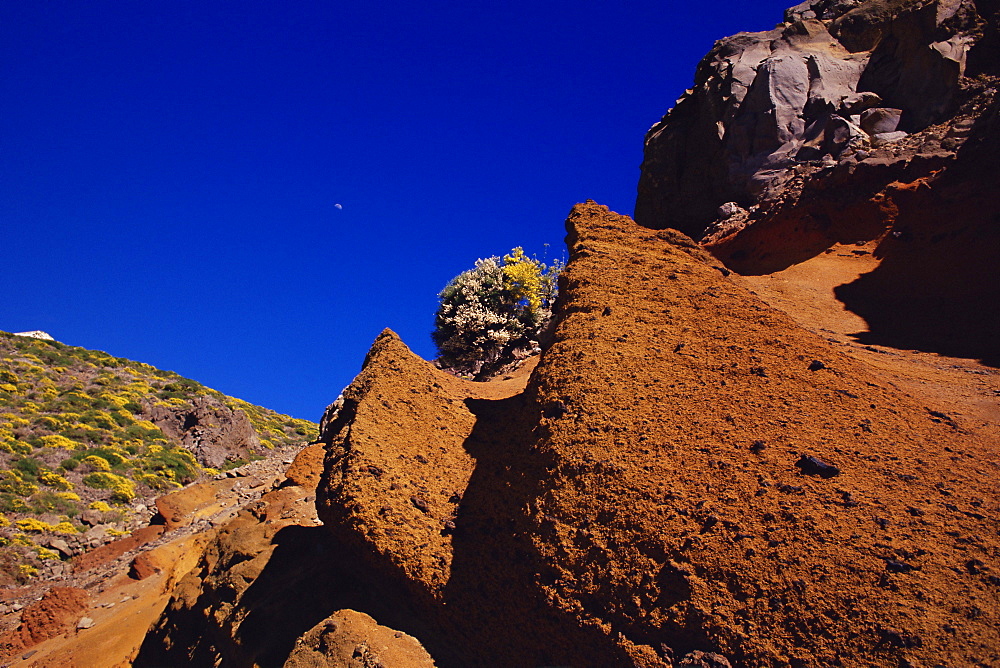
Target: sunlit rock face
pixel 686 476
pixel 833 80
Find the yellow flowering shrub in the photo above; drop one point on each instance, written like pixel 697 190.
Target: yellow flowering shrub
pixel 4 522
pixel 50 422
pixel 102 419
pixel 162 481
pixel 122 489
pixel 12 483
pixel 54 480
pixel 45 553
pixel 22 540
pixel 34 525
pixel 524 277
pixel 101 506
pixel 27 571
pixel 15 447
pixel 69 496
pixel 172 402
pixel 493 313
pixel 96 463
pixel 7 387
pixel 59 441
pixel 113 399
pixel 65 527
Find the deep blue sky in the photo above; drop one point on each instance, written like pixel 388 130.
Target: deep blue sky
pixel 169 170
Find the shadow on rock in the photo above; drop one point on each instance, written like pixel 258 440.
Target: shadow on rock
pixel 306 579
pixel 493 603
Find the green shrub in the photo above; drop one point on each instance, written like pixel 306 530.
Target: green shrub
pixel 13 482
pixel 122 489
pixel 51 502
pixel 12 503
pixel 491 315
pixel 175 464
pixel 96 463
pixel 113 458
pixel 29 467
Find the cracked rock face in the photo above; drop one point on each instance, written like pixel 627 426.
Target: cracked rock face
pixel 836 76
pixel 212 431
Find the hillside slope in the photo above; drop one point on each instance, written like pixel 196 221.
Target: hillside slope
pixel 88 440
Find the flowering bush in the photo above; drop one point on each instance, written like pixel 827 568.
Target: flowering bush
pixel 492 314
pixel 54 480
pixel 122 489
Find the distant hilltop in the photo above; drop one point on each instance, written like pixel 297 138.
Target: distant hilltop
pixel 36 334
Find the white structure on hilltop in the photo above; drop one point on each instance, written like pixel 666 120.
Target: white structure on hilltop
pixel 37 334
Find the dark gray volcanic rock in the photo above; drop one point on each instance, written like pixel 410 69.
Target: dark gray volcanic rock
pixel 837 78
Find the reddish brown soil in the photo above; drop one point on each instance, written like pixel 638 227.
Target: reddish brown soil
pixel 640 492
pixel 113 550
pixel 935 222
pixel 642 498
pixel 963 388
pixel 56 613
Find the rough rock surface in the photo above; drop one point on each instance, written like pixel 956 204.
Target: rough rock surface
pixel 835 80
pixel 351 639
pixel 641 503
pixel 934 218
pixel 56 613
pixel 211 430
pixel 274 587
pixel 126 583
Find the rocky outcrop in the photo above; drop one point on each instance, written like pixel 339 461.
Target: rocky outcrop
pixel 833 82
pixel 353 639
pixel 688 478
pixel 212 431
pixel 273 587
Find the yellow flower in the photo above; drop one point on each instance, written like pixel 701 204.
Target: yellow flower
pixel 59 441
pixel 55 480
pixel 96 463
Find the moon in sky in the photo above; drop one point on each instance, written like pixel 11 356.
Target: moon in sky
pixel 338 207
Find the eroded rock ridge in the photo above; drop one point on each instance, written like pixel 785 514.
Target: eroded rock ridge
pixel 686 471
